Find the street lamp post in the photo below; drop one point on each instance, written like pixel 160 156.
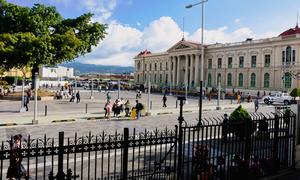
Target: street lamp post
pixel 119 88
pixel 202 56
pixel 35 121
pixel 92 86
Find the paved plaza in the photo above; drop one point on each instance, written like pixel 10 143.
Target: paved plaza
pixel 64 110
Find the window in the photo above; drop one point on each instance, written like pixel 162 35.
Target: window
pixel 229 79
pixel 253 80
pixel 160 78
pixel 150 67
pixel 267 60
pixel 253 61
pixel 145 67
pixel 155 67
pixel 241 61
pixel 241 80
pixel 154 78
pixel 287 80
pixel 167 75
pixel 266 80
pixel 145 78
pixel 294 56
pixel 209 79
pixel 160 66
pixel 138 65
pixel 167 68
pixel 219 62
pixel 209 63
pixel 219 78
pixel 288 55
pixel 230 62
pixel 283 57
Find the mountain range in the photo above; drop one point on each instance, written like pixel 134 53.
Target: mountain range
pixel 81 68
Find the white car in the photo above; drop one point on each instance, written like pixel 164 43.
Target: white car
pixel 284 98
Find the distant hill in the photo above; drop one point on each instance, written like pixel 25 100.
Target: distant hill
pixel 81 68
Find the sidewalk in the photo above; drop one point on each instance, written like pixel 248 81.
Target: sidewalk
pixel 96 113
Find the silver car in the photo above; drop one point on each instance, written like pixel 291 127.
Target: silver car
pixel 284 98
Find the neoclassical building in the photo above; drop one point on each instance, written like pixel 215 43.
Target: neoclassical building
pixel 264 64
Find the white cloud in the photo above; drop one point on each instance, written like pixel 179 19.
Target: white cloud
pixel 221 35
pixel 161 34
pixel 124 42
pixel 237 20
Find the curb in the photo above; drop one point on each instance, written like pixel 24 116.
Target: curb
pixel 64 120
pixel 164 113
pixel 9 124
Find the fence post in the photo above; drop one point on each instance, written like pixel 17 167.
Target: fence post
pixel 60 169
pixel 275 143
pixel 125 154
pixel 180 121
pixel 248 128
pixel 46 110
pixel 86 108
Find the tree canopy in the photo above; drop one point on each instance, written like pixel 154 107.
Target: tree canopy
pixel 39 35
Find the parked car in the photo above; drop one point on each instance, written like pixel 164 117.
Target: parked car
pixel 284 98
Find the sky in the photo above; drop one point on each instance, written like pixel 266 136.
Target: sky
pixel 156 25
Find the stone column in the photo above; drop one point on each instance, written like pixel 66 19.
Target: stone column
pixel 178 70
pixel 169 70
pixel 196 79
pixel 174 71
pixel 186 79
pixel 192 70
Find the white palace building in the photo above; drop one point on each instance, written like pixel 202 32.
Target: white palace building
pixel 270 64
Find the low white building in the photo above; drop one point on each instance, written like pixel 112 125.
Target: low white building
pixel 57 72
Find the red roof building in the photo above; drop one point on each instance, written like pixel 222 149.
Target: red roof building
pixel 291 31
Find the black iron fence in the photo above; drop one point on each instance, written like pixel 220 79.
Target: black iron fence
pixel 212 150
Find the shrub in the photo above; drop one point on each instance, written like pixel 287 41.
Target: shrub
pixel 295 92
pixel 240 118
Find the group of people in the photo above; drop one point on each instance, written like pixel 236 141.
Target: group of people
pixel 117 107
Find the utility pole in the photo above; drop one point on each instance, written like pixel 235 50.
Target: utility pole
pixel 35 121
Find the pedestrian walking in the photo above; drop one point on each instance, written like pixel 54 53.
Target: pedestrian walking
pixel 127 108
pixel 139 107
pixel 225 128
pixel 16 170
pixel 108 96
pixel 256 105
pixel 27 99
pixel 164 101
pixel 107 109
pixel 238 97
pixel 258 94
pixel 77 97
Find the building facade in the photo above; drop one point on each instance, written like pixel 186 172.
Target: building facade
pixel 57 72
pixel 265 64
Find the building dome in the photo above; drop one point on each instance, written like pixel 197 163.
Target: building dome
pixel 291 31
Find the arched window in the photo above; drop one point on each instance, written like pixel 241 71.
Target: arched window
pixel 209 80
pixel 266 80
pixel 229 79
pixel 241 80
pixel 219 79
pixel 288 55
pixel 253 80
pixel 288 80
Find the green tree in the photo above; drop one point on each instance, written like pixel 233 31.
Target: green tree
pixel 30 37
pixel 295 92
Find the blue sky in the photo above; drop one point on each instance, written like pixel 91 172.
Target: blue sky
pixel 156 25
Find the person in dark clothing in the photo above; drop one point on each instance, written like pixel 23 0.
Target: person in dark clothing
pixel 27 99
pixel 139 107
pixel 77 97
pixel 164 100
pixel 16 170
pixel 225 128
